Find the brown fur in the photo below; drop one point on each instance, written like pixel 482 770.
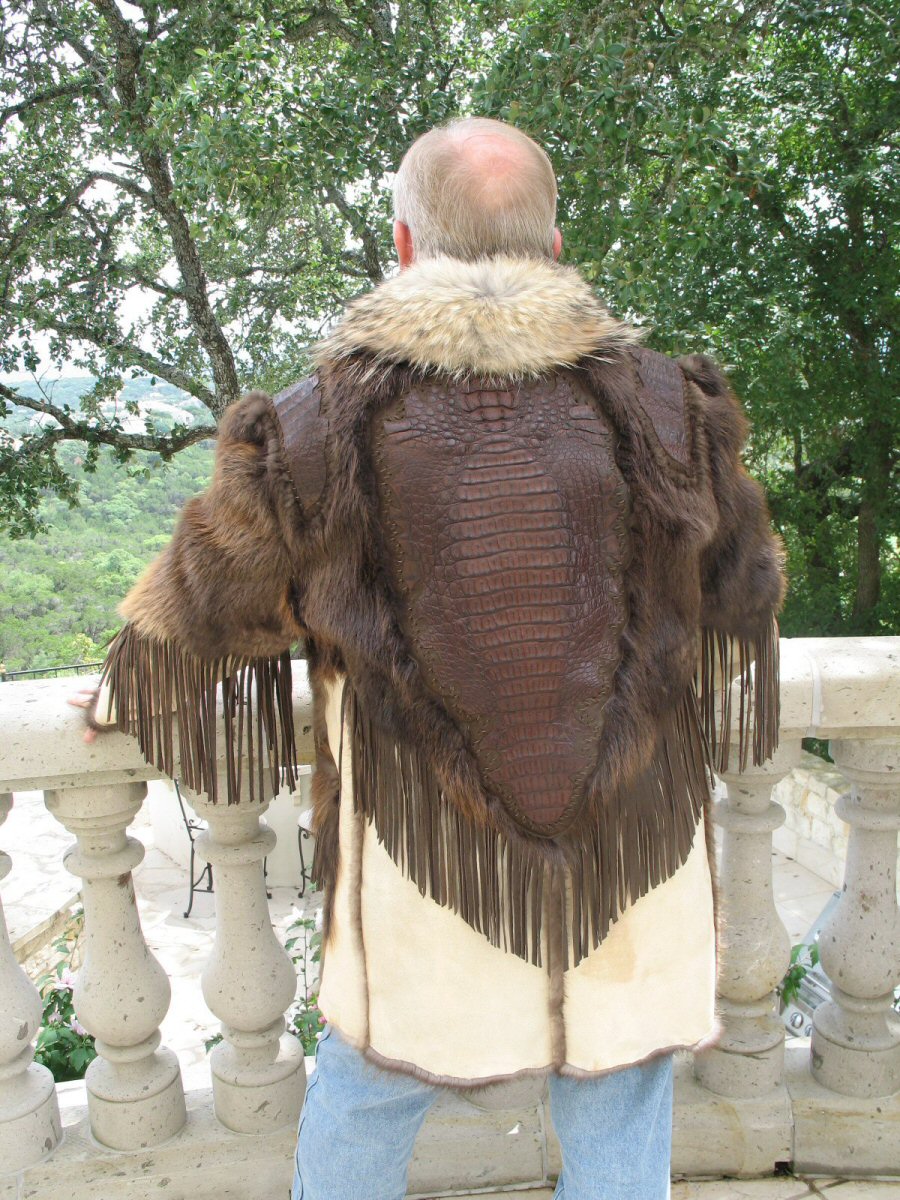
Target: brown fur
pixel 742 568
pixel 248 572
pixel 504 317
pixel 349 604
pixel 480 1087
pixel 224 584
pixel 325 790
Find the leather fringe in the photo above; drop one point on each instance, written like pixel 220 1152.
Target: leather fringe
pixel 154 684
pixel 722 659
pixel 505 883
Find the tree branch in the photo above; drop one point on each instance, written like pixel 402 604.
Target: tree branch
pixel 43 15
pixel 72 429
pixel 664 24
pixel 319 19
pixel 156 169
pixel 127 185
pixel 291 268
pixel 131 355
pixel 54 93
pixel 34 218
pixel 128 278
pixel 375 15
pixel 367 235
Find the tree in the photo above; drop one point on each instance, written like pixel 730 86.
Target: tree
pixel 190 190
pixel 729 173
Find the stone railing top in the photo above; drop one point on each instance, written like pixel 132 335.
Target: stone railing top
pixel 840 687
pixel 830 687
pixel 42 737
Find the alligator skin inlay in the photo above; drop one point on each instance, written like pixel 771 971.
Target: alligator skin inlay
pixel 501 505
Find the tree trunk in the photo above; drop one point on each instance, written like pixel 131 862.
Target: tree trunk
pixel 868 581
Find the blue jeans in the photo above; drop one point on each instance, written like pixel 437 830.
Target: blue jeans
pixel 359 1124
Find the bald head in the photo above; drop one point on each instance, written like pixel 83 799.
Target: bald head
pixel 477 188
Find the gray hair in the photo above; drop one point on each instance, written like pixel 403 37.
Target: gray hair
pixel 454 206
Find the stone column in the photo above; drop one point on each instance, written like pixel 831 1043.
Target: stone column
pixel 259 1076
pixel 29 1113
pixel 856 1036
pixel 754 947
pixel 135 1095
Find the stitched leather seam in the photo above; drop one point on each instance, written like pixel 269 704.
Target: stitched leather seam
pixel 688 475
pixel 279 434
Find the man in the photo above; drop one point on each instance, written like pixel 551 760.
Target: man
pixel 507 535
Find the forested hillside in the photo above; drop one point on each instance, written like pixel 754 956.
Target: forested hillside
pixel 59 590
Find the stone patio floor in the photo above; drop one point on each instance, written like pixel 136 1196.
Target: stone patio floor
pixel 785 1188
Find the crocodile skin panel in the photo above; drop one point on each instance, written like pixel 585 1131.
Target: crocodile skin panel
pixel 304 430
pixel 661 395
pixel 507 535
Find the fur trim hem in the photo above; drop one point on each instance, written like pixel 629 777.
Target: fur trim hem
pixel 486 1082
pixel 499 317
pixel 708 1042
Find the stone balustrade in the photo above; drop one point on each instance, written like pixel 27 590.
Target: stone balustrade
pixel 121 995
pixel 828 1104
pixel 29 1113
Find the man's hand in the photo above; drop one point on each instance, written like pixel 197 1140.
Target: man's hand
pixel 89 701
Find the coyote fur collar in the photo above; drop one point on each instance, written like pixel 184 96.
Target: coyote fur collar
pixel 505 318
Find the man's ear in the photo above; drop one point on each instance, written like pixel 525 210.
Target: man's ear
pixel 557 242
pixel 403 240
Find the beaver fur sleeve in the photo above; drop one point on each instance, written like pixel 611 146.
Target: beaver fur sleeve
pixel 742 581
pixel 218 606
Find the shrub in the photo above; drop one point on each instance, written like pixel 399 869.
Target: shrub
pixel 63 1045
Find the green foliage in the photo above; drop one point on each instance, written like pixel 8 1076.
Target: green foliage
pixel 803 959
pixel 191 190
pixel 304 1019
pixel 59 590
pixel 63 1045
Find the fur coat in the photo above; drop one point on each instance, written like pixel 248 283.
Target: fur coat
pixel 514 742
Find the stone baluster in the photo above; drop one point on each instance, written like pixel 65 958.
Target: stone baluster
pixel 856 1036
pixel 258 1070
pixel 754 947
pixel 135 1095
pixel 29 1113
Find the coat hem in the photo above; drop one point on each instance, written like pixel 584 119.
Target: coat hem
pixel 568 1070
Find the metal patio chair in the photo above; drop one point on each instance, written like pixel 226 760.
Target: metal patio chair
pixel 193 826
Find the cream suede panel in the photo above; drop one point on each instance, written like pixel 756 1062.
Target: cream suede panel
pixel 343 994
pixel 104 713
pixel 440 995
pixel 651 984
pixel 414 982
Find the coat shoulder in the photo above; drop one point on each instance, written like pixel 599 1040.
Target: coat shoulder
pixel 661 395
pixel 304 431
pixel 723 415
